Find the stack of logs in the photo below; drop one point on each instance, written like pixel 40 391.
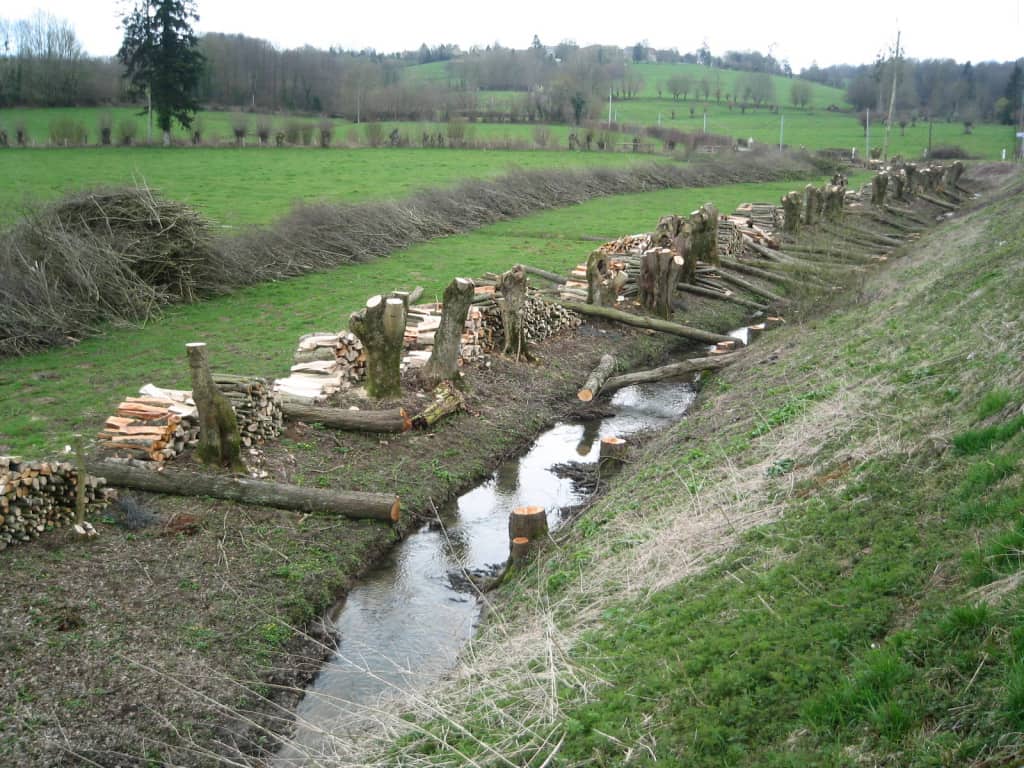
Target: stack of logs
pixel 325 362
pixel 257 409
pixel 422 323
pixel 39 496
pixel 149 428
pixel 541 319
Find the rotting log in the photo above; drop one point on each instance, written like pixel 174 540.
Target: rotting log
pixel 392 420
pixel 220 442
pixel 353 504
pixel 380 326
pixel 443 364
pixel 660 272
pixel 642 321
pixel 597 378
pixel 528 522
pixel 447 400
pixel 512 285
pixel 670 371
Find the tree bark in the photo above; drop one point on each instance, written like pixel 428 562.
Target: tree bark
pixel 596 380
pixel 219 440
pixel 641 321
pixel 664 372
pixel 601 291
pixel 513 292
pixel 394 420
pixel 353 504
pixel 660 272
pixel 443 364
pixel 380 326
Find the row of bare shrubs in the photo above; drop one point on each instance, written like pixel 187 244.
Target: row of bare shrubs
pixel 120 255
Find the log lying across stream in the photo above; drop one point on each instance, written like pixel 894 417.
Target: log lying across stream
pixel 353 504
pixel 670 371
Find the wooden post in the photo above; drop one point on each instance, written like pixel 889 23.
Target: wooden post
pixel 612 454
pixel 528 522
pixel 513 292
pixel 444 359
pixel 380 326
pixel 219 439
pixel 605 368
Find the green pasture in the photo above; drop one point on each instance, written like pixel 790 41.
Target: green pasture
pixel 46 397
pixel 255 185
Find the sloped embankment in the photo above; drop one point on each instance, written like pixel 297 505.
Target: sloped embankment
pixel 822 566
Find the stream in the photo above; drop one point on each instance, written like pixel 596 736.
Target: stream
pixel 403 626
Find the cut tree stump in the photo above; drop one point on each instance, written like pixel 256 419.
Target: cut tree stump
pixel 353 504
pixel 394 420
pixel 604 369
pixel 219 439
pixel 521 549
pixel 674 233
pixel 704 235
pixel 513 292
pixel 670 371
pixel 528 522
pixel 791 204
pixel 879 184
pixel 612 454
pixel 380 326
pixel 443 364
pixel 601 288
pixel 641 321
pixel 660 272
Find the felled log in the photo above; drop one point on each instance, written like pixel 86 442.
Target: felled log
pixel 935 201
pixel 711 293
pixel 513 292
pixel 353 504
pixel 551 277
pixel 392 420
pixel 642 321
pixel 219 440
pixel 444 359
pixel 380 326
pixel 660 272
pixel 528 522
pixel 597 378
pixel 764 274
pixel 664 372
pixel 746 285
pixel 447 400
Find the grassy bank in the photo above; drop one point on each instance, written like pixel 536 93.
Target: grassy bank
pixel 46 396
pixel 820 567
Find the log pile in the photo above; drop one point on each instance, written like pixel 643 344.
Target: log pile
pixel 39 496
pixel 257 408
pixel 156 426
pixel 422 324
pixel 764 215
pixel 541 319
pixel 325 362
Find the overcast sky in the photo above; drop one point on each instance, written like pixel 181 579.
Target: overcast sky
pixel 802 32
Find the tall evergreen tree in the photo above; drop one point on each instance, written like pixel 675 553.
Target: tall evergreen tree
pixel 162 59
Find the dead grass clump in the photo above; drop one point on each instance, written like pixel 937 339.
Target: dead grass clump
pixel 107 255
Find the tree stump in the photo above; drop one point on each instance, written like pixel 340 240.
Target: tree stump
pixel 513 292
pixel 660 271
pixel 601 288
pixel 703 232
pixel 219 440
pixel 835 198
pixel 443 364
pixel 528 523
pixel 879 185
pixel 521 549
pixel 953 174
pixel 899 184
pixel 811 204
pixel 791 212
pixel 380 326
pixel 612 454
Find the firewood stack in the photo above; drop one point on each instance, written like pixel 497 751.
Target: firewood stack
pixel 764 215
pixel 733 229
pixel 325 362
pixel 39 496
pixel 541 320
pixel 257 408
pixel 153 427
pixel 422 323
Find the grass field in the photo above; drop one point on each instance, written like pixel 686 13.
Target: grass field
pixel 47 396
pixel 254 185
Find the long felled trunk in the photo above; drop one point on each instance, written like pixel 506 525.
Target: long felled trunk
pixel 444 359
pixel 219 439
pixel 380 326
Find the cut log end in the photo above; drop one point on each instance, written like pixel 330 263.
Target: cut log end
pixel 396 510
pixel 586 395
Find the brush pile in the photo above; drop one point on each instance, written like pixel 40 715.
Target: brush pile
pixel 39 496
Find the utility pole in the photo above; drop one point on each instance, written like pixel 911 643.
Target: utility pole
pixel 867 136
pixel 892 96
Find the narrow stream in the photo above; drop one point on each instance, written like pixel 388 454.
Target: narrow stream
pixel 402 627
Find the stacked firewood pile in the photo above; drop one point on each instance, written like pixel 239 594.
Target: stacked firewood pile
pixel 257 408
pixel 39 496
pixel 423 321
pixel 764 215
pixel 541 319
pixel 325 363
pixel 733 229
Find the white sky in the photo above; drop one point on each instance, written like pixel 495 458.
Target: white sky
pixel 802 32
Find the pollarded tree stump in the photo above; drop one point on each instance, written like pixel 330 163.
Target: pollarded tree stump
pixel 910 188
pixel 512 285
pixel 811 204
pixel 612 454
pixel 879 185
pixel 953 174
pixel 601 290
pixel 219 439
pixel 835 198
pixel 791 205
pixel 380 326
pixel 443 364
pixel 703 233
pixel 660 272
pixel 528 522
